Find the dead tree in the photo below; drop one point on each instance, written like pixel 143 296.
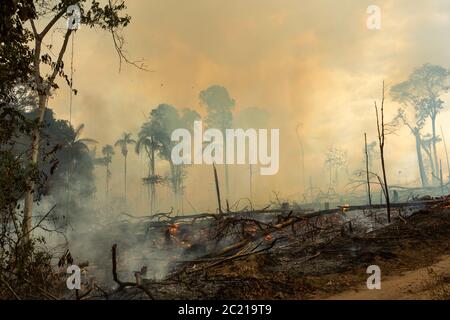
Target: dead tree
pixel 122 285
pixel 381 129
pixel 441 179
pixel 367 170
pixel 216 180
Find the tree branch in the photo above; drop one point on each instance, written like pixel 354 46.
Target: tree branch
pixel 60 58
pixel 51 23
pixel 33 26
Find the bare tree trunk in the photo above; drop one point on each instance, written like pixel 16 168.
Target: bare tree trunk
pixel 125 178
pixel 152 185
pixel 367 170
pixel 216 180
pixel 446 153
pixel 107 182
pixel 381 139
pixel 174 184
pixel 441 178
pixel 423 176
pixel 388 204
pixel 28 205
pixel 434 171
pixel 43 90
pixel 436 160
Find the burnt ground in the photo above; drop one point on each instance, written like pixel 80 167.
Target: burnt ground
pixel 298 271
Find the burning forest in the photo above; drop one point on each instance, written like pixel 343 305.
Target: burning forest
pixel 256 152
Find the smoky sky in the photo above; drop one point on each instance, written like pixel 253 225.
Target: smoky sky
pixel 307 64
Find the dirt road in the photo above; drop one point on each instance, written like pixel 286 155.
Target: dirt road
pixel 425 283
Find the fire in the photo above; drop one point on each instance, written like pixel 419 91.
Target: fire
pixel 174 228
pixel 269 237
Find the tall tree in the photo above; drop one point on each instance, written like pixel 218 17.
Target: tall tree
pixel 124 141
pixel 107 17
pixel 148 142
pixel 165 119
pixel 75 142
pixel 70 173
pixel 430 82
pixel 219 105
pixel 108 153
pixel 415 129
pixel 422 91
pixel 15 54
pixel 74 145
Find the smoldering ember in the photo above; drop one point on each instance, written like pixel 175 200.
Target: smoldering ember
pixel 224 150
pixel 257 147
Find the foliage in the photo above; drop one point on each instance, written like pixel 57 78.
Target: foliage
pixel 15 54
pixel 219 105
pixel 123 143
pixel 164 119
pixel 422 90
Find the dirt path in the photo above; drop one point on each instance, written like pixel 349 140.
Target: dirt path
pixel 426 283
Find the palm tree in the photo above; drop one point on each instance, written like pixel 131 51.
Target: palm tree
pixel 108 152
pixel 75 145
pixel 123 143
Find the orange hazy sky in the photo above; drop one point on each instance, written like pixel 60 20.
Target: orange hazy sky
pixel 313 63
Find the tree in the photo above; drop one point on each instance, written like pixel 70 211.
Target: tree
pixel 108 18
pixel 422 90
pixel 108 153
pixel 427 143
pixel 74 145
pixel 248 118
pixel 148 141
pixel 219 105
pixel 430 82
pixel 123 143
pixel 335 160
pixel 381 129
pixel 15 69
pixel 415 129
pixel 164 119
pixel 70 177
pixel 19 252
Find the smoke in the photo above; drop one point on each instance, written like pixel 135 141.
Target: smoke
pixel 313 64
